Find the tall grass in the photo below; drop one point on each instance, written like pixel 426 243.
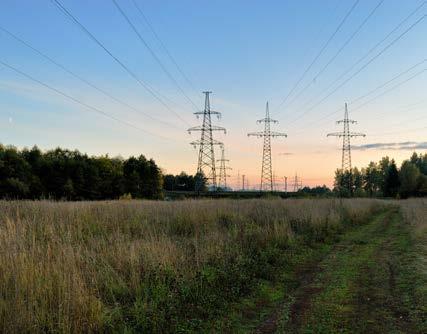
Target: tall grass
pixel 142 266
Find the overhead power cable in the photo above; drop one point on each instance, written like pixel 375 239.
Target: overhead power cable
pixel 163 46
pixel 371 50
pixel 373 91
pixel 117 60
pixel 153 54
pixel 376 89
pixel 87 82
pixel 315 78
pixel 360 69
pixel 318 54
pixel 77 101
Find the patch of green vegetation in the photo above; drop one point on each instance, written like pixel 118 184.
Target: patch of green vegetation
pixel 369 285
pixel 273 296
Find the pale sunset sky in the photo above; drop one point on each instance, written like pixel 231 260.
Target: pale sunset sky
pixel 313 55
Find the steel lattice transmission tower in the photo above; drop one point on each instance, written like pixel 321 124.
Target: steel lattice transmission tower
pixel 297 183
pixel 346 135
pixel 206 161
pixel 267 134
pixel 222 180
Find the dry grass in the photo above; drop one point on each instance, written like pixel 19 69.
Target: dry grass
pixel 415 213
pixel 145 266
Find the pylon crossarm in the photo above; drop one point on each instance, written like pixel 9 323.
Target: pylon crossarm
pixel 278 134
pixel 200 128
pixel 199 142
pixel 356 134
pixel 335 134
pixel 347 121
pixel 212 112
pixel 195 128
pixel 218 128
pixel 269 120
pixel 256 134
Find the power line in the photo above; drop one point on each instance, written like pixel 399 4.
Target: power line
pixel 75 100
pixel 117 60
pixel 87 82
pixel 165 49
pixel 373 91
pixel 338 52
pixel 360 69
pixel 412 13
pixel 318 54
pixel 153 54
pixel 390 89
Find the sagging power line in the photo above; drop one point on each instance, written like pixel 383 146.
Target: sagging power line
pixel 360 69
pixel 337 29
pixel 153 54
pixel 82 79
pixel 77 101
pixel 332 59
pixel 92 37
pixel 163 46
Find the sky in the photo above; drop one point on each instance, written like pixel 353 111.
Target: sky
pixel 306 58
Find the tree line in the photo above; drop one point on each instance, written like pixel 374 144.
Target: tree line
pixel 71 175
pixel 385 179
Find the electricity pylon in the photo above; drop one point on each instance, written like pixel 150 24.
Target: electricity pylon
pixel 222 180
pixel 206 162
pixel 346 135
pixel 297 183
pixel 346 145
pixel 267 134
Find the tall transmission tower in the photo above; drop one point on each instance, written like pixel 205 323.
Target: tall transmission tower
pixel 297 183
pixel 206 162
pixel 222 180
pixel 267 134
pixel 346 135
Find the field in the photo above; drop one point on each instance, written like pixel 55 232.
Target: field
pixel 233 266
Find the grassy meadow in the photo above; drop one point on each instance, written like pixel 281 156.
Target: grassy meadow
pixel 165 267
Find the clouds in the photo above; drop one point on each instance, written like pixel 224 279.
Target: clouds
pixel 408 145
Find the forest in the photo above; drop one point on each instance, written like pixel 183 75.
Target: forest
pixel 385 179
pixel 70 175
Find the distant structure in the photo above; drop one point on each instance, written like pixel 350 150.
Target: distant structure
pixel 222 180
pixel 297 183
pixel 243 182
pixel 206 161
pixel 267 134
pixel 238 180
pixel 346 146
pixel 286 184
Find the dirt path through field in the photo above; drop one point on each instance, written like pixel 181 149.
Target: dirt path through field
pixel 364 285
